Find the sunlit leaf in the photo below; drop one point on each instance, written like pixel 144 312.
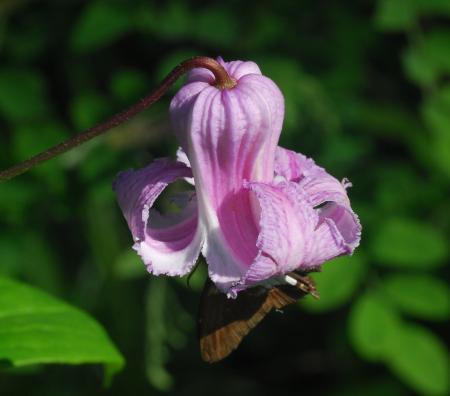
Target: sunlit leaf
pixel 407 243
pixel 336 283
pixel 36 328
pixel 420 359
pixel 373 326
pixel 423 296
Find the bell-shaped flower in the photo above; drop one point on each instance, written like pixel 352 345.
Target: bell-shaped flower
pixel 259 211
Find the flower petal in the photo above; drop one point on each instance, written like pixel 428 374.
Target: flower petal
pixel 229 136
pixel 167 244
pixel 338 226
pixel 287 223
pixel 293 235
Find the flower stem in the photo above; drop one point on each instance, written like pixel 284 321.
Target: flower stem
pixel 222 81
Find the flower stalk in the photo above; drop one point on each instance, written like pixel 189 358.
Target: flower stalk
pixel 222 81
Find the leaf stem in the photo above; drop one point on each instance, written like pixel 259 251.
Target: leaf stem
pixel 222 81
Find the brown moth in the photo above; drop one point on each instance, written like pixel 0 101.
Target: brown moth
pixel 224 322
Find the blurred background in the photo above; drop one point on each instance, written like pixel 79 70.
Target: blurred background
pixel 367 89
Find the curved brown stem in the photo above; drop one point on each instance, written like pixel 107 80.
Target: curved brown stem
pixel 222 81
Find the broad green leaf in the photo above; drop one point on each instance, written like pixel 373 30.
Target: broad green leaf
pixel 100 24
pixel 22 95
pixel 336 283
pixel 420 359
pixel 423 296
pixel 403 243
pixel 37 328
pixel 373 326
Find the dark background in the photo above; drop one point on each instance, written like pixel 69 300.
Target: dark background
pixel 367 93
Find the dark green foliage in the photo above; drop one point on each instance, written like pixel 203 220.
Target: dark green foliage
pixel 367 95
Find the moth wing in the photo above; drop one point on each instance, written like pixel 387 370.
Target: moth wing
pixel 224 322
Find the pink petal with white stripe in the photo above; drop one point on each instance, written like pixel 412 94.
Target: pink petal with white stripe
pixel 167 244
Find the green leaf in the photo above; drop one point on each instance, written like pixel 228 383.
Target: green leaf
pixel 100 24
pixel 403 243
pixel 373 326
pixel 336 283
pixel 36 328
pixel 419 295
pixel 419 358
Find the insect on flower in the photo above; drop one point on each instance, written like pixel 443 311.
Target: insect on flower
pixel 262 216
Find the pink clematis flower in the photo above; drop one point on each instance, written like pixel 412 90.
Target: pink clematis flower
pixel 259 211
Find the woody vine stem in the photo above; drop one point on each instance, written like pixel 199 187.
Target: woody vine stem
pixel 222 81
